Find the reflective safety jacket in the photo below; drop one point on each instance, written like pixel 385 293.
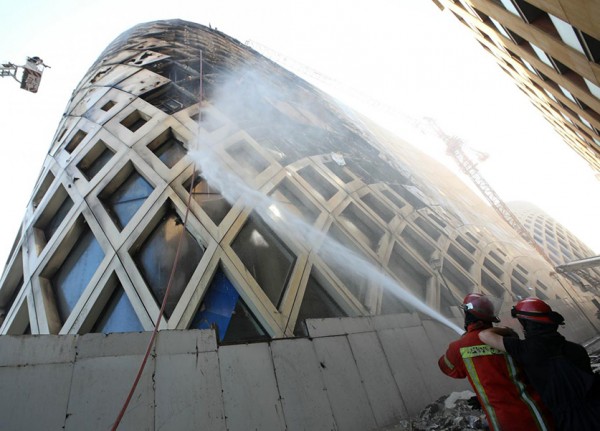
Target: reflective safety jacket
pixel 508 402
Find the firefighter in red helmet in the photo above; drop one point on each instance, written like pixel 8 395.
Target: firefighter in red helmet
pixel 508 401
pixel 559 370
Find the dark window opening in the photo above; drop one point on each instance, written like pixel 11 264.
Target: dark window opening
pixel 411 274
pixel 318 182
pixel 591 46
pixel 169 98
pixel 168 148
pixel 134 121
pixel 361 226
pixel 209 198
pixel 107 106
pixel 75 141
pixel 156 256
pixel 316 304
pixel 95 160
pixel 339 172
pixel 248 158
pixel 378 207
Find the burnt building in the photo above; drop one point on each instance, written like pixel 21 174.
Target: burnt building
pixel 322 258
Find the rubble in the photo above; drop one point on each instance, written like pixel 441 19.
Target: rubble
pixel 454 412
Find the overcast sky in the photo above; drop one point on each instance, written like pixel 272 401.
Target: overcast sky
pixel 403 53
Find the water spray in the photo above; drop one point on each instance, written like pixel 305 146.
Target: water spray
pixel 234 189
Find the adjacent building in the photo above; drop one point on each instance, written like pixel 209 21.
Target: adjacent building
pixel 559 244
pixel 551 49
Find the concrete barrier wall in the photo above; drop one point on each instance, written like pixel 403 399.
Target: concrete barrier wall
pixel 351 374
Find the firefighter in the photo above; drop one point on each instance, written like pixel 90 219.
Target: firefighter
pixel 559 370
pixel 508 401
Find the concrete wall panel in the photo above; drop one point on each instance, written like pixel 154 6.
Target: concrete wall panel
pixel 301 385
pixel 251 397
pixel 384 396
pixel 188 392
pixel 105 369
pixel 349 401
pixel 37 349
pixel 409 379
pixel 34 397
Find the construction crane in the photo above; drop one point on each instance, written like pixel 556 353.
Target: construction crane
pixel 455 149
pixel 31 75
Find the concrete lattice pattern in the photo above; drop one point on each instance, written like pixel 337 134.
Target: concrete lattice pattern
pixel 100 234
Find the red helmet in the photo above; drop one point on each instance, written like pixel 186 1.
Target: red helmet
pixel 536 310
pixel 480 306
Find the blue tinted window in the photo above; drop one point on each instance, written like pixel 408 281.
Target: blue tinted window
pixel 223 308
pixel 118 315
pixel 123 203
pixel 75 273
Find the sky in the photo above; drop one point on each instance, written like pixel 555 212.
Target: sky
pixel 405 55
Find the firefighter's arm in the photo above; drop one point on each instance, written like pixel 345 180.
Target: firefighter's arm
pixel 450 364
pixel 495 337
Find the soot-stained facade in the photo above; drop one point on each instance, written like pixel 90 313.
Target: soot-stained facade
pixel 112 213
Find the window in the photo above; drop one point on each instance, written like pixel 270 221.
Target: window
pixel 361 226
pixel 107 106
pixel 168 148
pixel 55 212
pixel 413 276
pixel 247 158
pixel 451 274
pixel 223 308
pixel 156 257
pixel 169 98
pixel 460 257
pixel 265 256
pixel 339 172
pixel 75 272
pixel 316 304
pixel 135 120
pixel 118 315
pixel 75 141
pixel 417 243
pixel 292 200
pixel 95 160
pixel 209 198
pixel 590 45
pixel 318 182
pixel 42 189
pixel 124 195
pixel 567 33
pixel 491 285
pixel 428 227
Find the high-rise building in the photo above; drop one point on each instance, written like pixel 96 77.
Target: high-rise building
pixel 317 251
pixel 551 49
pixel 559 244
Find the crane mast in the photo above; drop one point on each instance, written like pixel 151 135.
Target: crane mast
pixel 469 167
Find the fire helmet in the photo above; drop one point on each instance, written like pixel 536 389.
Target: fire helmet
pixel 536 310
pixel 480 306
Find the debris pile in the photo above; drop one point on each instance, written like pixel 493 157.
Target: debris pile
pixel 456 412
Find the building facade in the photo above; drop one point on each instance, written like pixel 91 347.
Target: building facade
pixel 313 249
pixel 551 49
pixel 559 244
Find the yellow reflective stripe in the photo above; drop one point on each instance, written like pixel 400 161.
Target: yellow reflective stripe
pixel 533 408
pixel 480 350
pixel 491 414
pixel 448 363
